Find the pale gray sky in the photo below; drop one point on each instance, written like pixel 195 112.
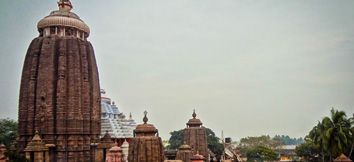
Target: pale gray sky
pixel 249 67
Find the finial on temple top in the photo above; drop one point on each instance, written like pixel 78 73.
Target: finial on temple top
pixel 194 114
pixel 145 117
pixel 65 5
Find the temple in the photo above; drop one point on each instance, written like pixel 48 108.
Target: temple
pixel 114 121
pixel 59 91
pixel 195 136
pixel 146 146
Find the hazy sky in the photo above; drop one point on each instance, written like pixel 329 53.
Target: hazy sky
pixel 248 67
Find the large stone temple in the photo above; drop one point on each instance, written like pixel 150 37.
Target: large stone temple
pixel 60 92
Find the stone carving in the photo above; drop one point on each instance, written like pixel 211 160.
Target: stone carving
pixel 60 93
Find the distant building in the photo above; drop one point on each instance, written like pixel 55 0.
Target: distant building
pixel 115 122
pixel 287 153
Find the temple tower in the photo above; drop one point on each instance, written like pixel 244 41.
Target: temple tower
pixel 195 136
pixel 60 93
pixel 146 146
pixel 184 153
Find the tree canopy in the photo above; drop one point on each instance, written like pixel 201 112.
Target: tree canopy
pixel 8 131
pixel 331 136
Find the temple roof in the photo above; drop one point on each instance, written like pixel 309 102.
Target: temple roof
pixel 145 129
pixel 63 17
pixel 36 144
pixel 185 147
pixel 194 122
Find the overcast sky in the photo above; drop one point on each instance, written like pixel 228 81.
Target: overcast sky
pixel 248 67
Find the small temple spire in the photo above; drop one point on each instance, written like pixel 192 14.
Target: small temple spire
pixel 194 114
pixel 145 119
pixel 65 5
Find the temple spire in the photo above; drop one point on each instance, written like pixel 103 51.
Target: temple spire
pixel 65 5
pixel 194 114
pixel 145 117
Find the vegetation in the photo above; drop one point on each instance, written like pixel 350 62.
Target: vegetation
pixel 214 144
pixel 259 148
pixel 332 136
pixel 8 131
pixel 260 154
pixel 286 140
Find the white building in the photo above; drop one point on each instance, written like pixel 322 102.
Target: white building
pixel 115 122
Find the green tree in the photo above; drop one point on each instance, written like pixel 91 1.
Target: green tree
pixel 8 131
pixel 214 143
pixel 333 135
pixel 176 139
pixel 260 154
pixel 309 151
pixel 264 140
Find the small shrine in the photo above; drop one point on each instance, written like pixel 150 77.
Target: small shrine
pixel 36 149
pixel 114 154
pixel 342 158
pixel 195 136
pixel 197 158
pixel 103 147
pixel 184 153
pixel 146 146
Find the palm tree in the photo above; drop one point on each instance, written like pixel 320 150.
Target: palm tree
pixel 337 133
pixel 333 134
pixel 352 135
pixel 317 136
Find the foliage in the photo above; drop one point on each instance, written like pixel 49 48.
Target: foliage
pixel 176 139
pixel 8 131
pixel 333 135
pixel 309 151
pixel 264 140
pixel 261 153
pixel 214 144
pixel 286 140
pixel 15 157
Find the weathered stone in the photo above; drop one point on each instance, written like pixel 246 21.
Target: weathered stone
pixel 147 145
pixel 115 154
pixel 195 136
pixel 184 153
pixel 60 93
pixel 3 158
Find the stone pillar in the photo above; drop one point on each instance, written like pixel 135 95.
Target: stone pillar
pixel 103 147
pixel 342 158
pixel 114 154
pixel 197 158
pixel 146 146
pixel 36 150
pixel 184 153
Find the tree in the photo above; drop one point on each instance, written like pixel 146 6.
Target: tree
pixel 333 135
pixel 176 139
pixel 264 140
pixel 261 153
pixel 8 131
pixel 214 143
pixel 309 151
